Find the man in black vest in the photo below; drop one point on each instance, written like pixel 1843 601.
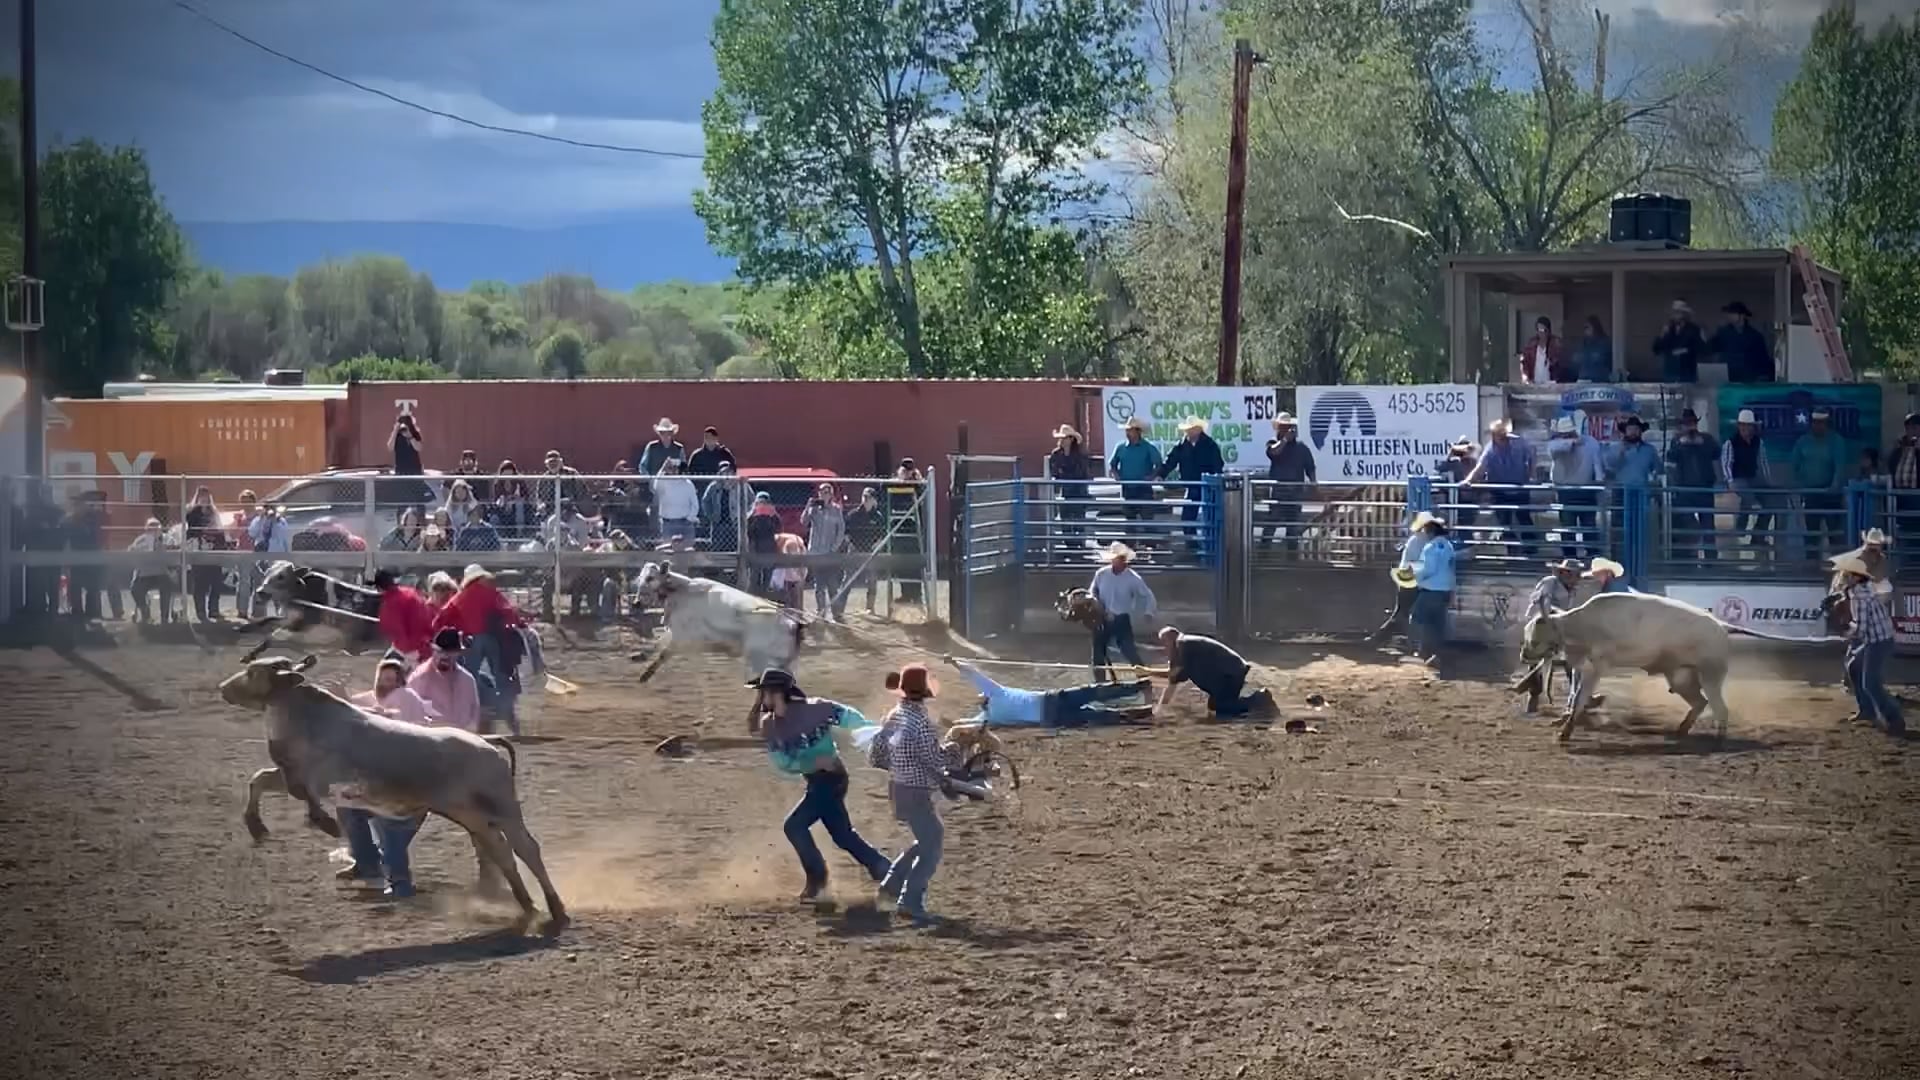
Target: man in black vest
pixel 1743 460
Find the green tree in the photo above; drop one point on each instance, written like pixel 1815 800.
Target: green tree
pixel 112 255
pixel 377 369
pixel 843 127
pixel 1846 135
pixel 370 305
pixel 564 353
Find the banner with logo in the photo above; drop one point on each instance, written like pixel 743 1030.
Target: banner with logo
pixel 1596 409
pixel 1240 418
pixel 1793 610
pixel 1906 620
pixel 1376 434
pixel 1782 409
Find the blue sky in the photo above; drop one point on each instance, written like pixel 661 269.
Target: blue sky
pixel 235 135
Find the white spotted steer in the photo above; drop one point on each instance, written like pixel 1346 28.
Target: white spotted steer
pixel 1616 631
pixel 331 755
pixel 704 613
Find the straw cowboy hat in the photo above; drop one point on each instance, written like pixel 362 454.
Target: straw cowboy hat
pixel 1563 426
pixel 1499 427
pixel 1604 565
pixel 1192 423
pixel 1746 416
pixel 1134 423
pixel 1423 519
pixel 1285 419
pixel 1115 550
pixel 1066 431
pixel 1403 577
pixel 667 426
pixel 1462 445
pixel 1850 563
pixel 1874 537
pixel 1681 307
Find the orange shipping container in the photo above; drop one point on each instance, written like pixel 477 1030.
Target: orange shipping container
pixel 227 445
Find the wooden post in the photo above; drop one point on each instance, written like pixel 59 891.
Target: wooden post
pixel 1243 61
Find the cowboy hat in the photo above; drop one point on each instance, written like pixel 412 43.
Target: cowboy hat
pixel 1065 431
pixel 1134 423
pixel 1285 419
pixel 1849 563
pixel 1565 566
pixel 1604 565
pixel 1746 417
pixel 1115 550
pixel 1631 420
pixel 1423 519
pixel 1737 308
pixel 1874 536
pixel 913 681
pixel 1193 423
pixel 1403 576
pixel 666 425
pixel 1462 444
pixel 1563 426
pixel 1819 413
pixel 777 679
pixel 1681 307
pixel 1499 427
pixel 449 640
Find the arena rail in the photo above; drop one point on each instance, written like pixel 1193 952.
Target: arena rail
pixel 86 537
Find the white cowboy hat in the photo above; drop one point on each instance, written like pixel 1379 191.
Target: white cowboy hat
pixel 1682 306
pixel 1850 563
pixel 1464 442
pixel 1403 576
pixel 666 425
pixel 1500 427
pixel 1746 417
pixel 1115 550
pixel 1874 536
pixel 1601 564
pixel 1285 419
pixel 1134 423
pixel 1065 431
pixel 1563 426
pixel 1421 520
pixel 1193 423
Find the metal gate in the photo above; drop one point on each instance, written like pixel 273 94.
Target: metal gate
pixel 988 595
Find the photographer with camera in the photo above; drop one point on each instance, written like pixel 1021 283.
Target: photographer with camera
pixel 405 442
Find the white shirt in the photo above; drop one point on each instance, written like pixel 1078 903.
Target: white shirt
pixel 676 498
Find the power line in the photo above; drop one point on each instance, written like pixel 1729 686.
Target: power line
pixel 429 110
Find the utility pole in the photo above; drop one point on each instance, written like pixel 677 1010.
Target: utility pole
pixel 1243 60
pixel 30 365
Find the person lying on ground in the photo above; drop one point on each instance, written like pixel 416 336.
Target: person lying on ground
pixel 800 735
pixel 1215 670
pixel 1076 706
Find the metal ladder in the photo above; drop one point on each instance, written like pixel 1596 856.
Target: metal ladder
pixel 1822 316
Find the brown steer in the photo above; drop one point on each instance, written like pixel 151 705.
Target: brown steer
pixel 330 755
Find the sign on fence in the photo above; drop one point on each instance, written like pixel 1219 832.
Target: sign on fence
pixel 1782 409
pixel 1370 434
pixel 1596 409
pixel 1240 418
pixel 1793 610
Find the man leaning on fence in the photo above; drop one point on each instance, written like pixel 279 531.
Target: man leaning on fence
pixel 1507 466
pixel 1743 462
pixel 1574 467
pixel 1136 463
pixel 1817 467
pixel 1195 457
pixel 1290 467
pixel 1693 471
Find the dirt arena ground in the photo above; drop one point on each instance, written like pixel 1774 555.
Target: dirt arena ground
pixel 1427 887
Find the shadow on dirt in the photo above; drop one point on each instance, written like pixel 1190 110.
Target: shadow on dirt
pixel 1671 746
pixel 138 698
pixel 337 969
pixel 865 920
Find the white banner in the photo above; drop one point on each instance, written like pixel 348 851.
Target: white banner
pixel 1793 610
pixel 1240 418
pixel 1371 434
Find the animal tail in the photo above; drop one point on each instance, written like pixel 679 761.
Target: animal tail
pixel 513 756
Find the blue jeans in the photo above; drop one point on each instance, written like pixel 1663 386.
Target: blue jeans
pixel 394 836
pixel 1079 706
pixel 1429 620
pixel 1756 509
pixel 826 591
pixel 825 803
pixel 908 876
pixel 497 695
pixel 682 529
pixel 1866 676
pixel 1579 517
pixel 1117 634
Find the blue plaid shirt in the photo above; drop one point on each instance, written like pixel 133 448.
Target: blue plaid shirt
pixel 1871 623
pixel 914 758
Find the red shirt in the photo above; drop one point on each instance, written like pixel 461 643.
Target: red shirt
pixel 471 607
pixel 406 620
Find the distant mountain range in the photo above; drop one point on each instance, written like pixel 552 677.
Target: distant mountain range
pixel 619 254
